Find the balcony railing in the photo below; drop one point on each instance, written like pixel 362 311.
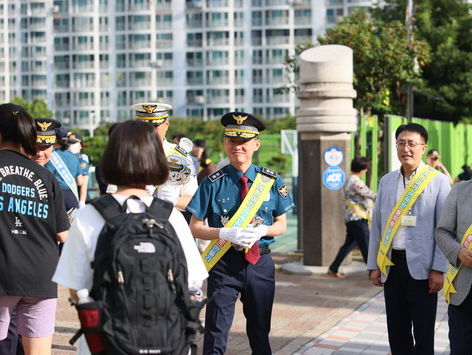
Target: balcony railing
pixel 276 40
pixel 277 21
pixel 219 61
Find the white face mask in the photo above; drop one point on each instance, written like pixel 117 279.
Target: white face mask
pixel 75 148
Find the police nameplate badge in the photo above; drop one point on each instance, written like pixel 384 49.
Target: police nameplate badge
pixel 408 221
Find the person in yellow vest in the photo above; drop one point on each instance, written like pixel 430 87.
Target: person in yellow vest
pixel 246 208
pixel 454 237
pixel 403 255
pixel 357 207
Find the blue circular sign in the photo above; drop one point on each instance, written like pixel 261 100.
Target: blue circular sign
pixel 334 178
pixel 333 156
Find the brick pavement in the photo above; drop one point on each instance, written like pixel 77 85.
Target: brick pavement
pixel 305 307
pixel 313 315
pixel 365 332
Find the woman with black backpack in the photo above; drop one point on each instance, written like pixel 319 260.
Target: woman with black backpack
pixel 141 249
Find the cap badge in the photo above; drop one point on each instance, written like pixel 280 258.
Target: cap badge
pixel 240 119
pixel 149 108
pixel 44 126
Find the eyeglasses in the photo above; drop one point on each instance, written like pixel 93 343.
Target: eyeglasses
pixel 410 144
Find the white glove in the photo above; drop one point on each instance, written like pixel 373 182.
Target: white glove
pixel 169 192
pixel 81 204
pixel 244 237
pixel 261 230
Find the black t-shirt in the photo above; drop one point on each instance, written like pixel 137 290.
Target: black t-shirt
pixel 32 212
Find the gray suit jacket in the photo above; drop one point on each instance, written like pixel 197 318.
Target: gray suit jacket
pixel 455 219
pixel 422 254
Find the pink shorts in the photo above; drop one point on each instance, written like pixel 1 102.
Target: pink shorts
pixel 35 316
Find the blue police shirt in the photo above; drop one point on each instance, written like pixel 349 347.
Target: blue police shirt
pixel 84 163
pixel 218 198
pixel 72 163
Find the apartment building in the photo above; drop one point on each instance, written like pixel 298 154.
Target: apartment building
pixel 92 59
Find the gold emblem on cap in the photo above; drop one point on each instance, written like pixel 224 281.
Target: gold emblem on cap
pixel 240 119
pixel 44 126
pixel 149 108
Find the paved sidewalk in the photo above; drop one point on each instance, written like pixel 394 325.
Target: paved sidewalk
pixel 312 315
pixel 365 332
pixel 305 307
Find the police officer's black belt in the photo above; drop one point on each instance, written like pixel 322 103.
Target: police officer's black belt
pixel 262 250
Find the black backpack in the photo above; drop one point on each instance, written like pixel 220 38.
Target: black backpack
pixel 140 282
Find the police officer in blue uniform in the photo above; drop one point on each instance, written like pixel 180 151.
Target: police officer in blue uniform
pixel 217 199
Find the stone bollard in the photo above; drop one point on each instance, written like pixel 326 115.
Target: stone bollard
pixel 324 122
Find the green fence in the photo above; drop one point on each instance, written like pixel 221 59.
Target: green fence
pixel 376 142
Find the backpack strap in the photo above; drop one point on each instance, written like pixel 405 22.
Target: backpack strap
pixel 160 209
pixel 107 206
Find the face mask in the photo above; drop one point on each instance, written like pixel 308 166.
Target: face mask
pixel 74 148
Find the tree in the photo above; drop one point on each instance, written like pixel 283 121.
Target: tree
pixel 446 25
pixel 37 109
pixel 384 60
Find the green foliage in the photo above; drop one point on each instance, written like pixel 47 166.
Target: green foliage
pixel 275 126
pixel 278 163
pixel 446 25
pixel 384 60
pixel 94 147
pixel 37 109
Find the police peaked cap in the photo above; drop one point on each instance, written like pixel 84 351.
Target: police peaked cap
pixel 153 112
pixel 46 130
pixel 241 125
pixel 74 138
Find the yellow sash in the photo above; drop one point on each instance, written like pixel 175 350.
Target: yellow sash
pixel 243 216
pixel 416 186
pixel 453 271
pixel 357 209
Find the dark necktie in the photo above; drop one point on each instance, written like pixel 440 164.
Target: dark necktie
pixel 253 255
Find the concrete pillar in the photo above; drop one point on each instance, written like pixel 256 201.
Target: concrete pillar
pixel 324 122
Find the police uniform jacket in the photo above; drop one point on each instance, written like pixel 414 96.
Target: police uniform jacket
pixel 218 198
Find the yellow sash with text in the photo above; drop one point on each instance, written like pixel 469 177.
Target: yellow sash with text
pixel 415 187
pixel 357 209
pixel 453 271
pixel 243 216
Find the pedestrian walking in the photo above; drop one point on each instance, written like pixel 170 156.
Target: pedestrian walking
pixel 32 220
pixel 454 236
pixel 130 169
pixel 246 208
pixel 357 210
pixel 403 255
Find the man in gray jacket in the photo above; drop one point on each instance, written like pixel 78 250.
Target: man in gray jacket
pixel 403 255
pixel 454 237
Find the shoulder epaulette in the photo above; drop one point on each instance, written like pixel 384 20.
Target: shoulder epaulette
pixel 216 175
pixel 181 150
pixel 269 172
